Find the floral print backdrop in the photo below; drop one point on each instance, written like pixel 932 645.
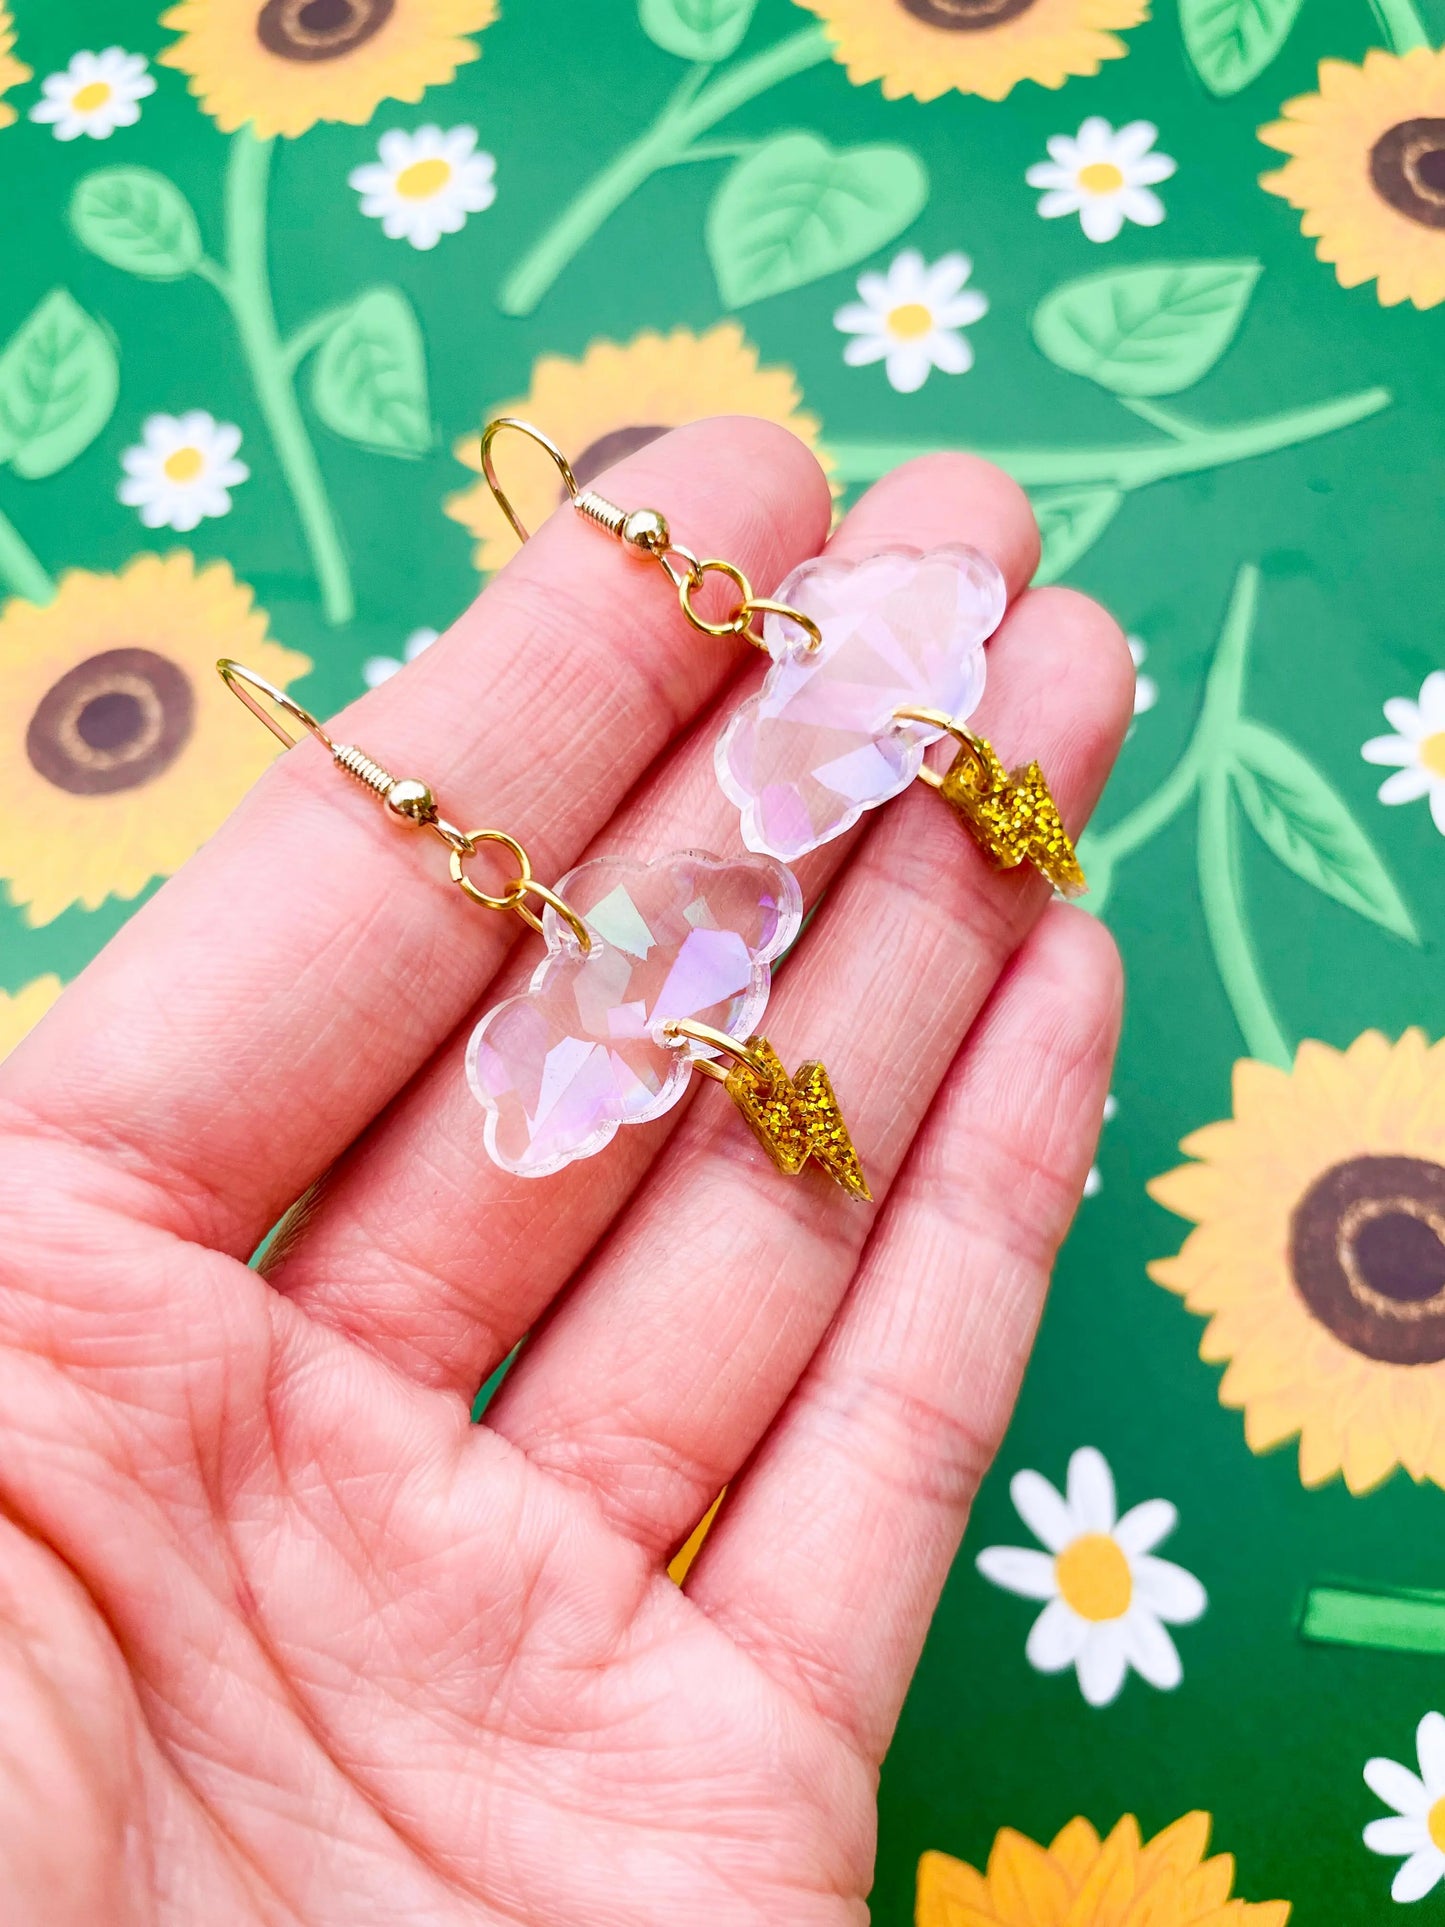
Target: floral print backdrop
pixel 1171 262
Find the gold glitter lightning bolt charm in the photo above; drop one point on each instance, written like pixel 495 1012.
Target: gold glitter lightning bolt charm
pixel 1012 813
pixel 793 1118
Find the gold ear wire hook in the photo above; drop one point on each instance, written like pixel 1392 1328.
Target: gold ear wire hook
pixel 241 681
pixel 489 467
pixel 412 800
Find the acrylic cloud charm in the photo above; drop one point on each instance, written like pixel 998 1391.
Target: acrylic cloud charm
pixel 818 745
pixel 581 1052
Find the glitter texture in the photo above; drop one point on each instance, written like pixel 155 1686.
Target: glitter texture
pixel 797 1118
pixel 1012 814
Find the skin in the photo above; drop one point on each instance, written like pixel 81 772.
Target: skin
pixel 285 1638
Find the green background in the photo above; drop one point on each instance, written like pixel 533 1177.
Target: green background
pixel 1267 1733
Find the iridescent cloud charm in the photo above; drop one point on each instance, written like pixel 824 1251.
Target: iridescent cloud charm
pixel 819 743
pixel 582 1050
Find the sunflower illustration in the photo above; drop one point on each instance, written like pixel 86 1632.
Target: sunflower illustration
pixel 617 398
pixel 1319 1256
pixel 1367 170
pixel 932 47
pixel 283 65
pixel 22 1010
pixel 122 750
pixel 13 72
pixel 1079 1880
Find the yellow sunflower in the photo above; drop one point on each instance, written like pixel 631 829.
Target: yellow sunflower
pixel 932 47
pixel 122 749
pixel 1082 1881
pixel 1367 168
pixel 22 1010
pixel 283 65
pixel 617 398
pixel 1319 1256
pixel 13 72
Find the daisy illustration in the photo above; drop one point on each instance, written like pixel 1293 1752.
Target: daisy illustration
pixel 1415 1831
pixel 424 185
pixel 1109 1598
pixel 379 669
pixel 1146 690
pixel 1103 176
pixel 1416 751
pixel 910 319
pixel 96 94
pixel 182 469
pixel 1094 1183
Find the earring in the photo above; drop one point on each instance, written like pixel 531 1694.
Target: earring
pixel 652 971
pixel 872 662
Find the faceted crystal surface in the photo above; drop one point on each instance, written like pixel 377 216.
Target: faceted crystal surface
pixel 581 1051
pixel 818 745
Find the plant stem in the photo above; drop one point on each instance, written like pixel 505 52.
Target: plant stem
pixel 697 105
pixel 1132 465
pixel 1220 870
pixel 20 568
pixel 1390 1620
pixel 312 333
pixel 1403 27
pixel 245 286
pixel 1147 819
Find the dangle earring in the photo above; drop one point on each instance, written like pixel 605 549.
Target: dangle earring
pixel 652 971
pixel 872 662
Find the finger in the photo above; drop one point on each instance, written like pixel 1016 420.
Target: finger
pixel 421 1248
pixel 249 1021
pixel 670 1359
pixel 829 1554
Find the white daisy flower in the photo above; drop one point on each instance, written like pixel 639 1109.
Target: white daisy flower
pixel 1102 176
pixel 1108 1597
pixel 96 94
pixel 909 319
pixel 1417 749
pixel 1415 1831
pixel 182 470
pixel 425 184
pixel 1094 1183
pixel 379 669
pixel 1146 690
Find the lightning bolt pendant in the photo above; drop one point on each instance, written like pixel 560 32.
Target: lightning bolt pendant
pixel 796 1118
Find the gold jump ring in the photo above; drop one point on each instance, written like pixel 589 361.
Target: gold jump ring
pixel 680 1029
pixel 737 622
pixel 515 890
pixel 564 910
pixel 759 605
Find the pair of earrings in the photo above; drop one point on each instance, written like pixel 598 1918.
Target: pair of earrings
pixel 656 970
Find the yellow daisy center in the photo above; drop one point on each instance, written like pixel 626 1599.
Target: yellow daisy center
pixel 184 465
pixel 1435 1821
pixel 1094 1577
pixel 1100 177
pixel 1432 753
pixel 94 94
pixel 423 179
pixel 910 320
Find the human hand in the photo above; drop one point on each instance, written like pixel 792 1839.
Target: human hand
pixel 283 1636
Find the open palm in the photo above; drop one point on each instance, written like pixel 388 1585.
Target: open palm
pixel 283 1636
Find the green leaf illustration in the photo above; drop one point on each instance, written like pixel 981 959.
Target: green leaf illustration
pixel 1070 520
pixel 796 208
pixel 696 29
pixel 368 379
pixel 138 221
pixel 1231 42
pixel 1146 331
pixel 58 382
pixel 1308 826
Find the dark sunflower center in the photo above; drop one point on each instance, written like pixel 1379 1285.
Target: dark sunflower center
pixel 964 16
pixel 319 29
pixel 1367 1253
pixel 610 448
pixel 1407 166
pixel 112 723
